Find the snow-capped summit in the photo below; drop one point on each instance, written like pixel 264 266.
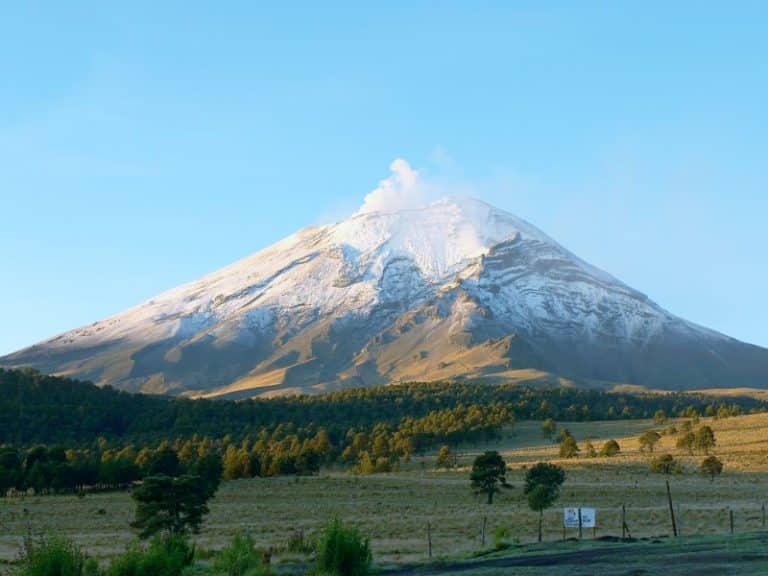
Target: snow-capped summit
pixel 402 290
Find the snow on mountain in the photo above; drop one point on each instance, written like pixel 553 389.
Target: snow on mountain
pixel 452 288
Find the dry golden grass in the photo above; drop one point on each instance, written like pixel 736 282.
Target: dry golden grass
pixel 394 509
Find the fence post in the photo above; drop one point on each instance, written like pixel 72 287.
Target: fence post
pixel 730 514
pixel 580 531
pixel 485 519
pixel 671 511
pixel 429 539
pixel 763 515
pixel 623 522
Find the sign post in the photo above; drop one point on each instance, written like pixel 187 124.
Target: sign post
pixel 579 518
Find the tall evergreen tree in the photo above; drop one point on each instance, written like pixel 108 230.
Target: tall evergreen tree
pixel 488 474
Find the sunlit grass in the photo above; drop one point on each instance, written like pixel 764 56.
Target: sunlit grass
pixel 394 509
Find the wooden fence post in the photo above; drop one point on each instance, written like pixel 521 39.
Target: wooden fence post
pixel 730 514
pixel 485 519
pixel 429 539
pixel 580 531
pixel 671 511
pixel 623 522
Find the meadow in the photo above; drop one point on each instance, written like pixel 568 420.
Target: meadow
pixel 394 509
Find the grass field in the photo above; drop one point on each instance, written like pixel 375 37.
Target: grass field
pixel 394 509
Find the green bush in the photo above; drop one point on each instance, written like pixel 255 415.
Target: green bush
pixel 341 551
pixel 500 536
pixel 166 556
pixel 240 558
pixel 55 556
pixel 665 464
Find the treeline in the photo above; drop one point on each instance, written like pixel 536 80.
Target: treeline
pixel 56 470
pixel 282 450
pixel 35 408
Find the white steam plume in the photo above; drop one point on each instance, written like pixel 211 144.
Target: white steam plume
pixel 403 189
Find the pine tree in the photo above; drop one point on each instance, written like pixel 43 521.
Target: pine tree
pixel 174 505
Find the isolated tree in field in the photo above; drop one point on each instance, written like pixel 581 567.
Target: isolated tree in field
pixel 705 439
pixel 711 466
pixel 610 448
pixel 665 464
pixel 174 505
pixel 548 428
pixel 568 447
pixel 488 474
pixel 589 449
pixel 542 488
pixel 687 441
pixel 659 417
pixel 444 457
pixel 648 440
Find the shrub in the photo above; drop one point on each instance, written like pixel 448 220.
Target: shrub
pixel 55 556
pixel 648 440
pixel 166 556
pixel 687 442
pixel 239 558
pixel 568 447
pixel 341 551
pixel 127 564
pixel 712 466
pixel 705 439
pixel 665 464
pixel 444 457
pixel 610 448
pixel 500 536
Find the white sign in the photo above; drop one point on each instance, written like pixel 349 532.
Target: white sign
pixel 571 517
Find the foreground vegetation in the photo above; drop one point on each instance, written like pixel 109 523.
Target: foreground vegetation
pixel 338 551
pixel 394 509
pixel 452 476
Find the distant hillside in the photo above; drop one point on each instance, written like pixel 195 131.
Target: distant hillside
pixel 47 409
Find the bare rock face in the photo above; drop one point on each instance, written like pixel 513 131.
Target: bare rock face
pixel 456 289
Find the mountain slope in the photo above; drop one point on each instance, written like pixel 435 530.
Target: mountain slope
pixel 453 289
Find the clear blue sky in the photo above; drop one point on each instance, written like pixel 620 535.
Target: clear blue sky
pixel 143 144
